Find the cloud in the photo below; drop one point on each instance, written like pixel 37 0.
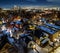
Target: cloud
pixel 32 0
pixel 56 1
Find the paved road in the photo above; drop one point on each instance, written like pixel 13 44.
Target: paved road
pixel 38 50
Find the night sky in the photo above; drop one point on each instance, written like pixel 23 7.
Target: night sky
pixel 10 3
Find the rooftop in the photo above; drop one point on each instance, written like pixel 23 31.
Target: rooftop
pixel 47 30
pixel 53 26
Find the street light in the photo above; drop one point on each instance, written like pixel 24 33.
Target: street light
pixel 59 35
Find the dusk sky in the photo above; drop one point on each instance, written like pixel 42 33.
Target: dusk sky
pixel 10 3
